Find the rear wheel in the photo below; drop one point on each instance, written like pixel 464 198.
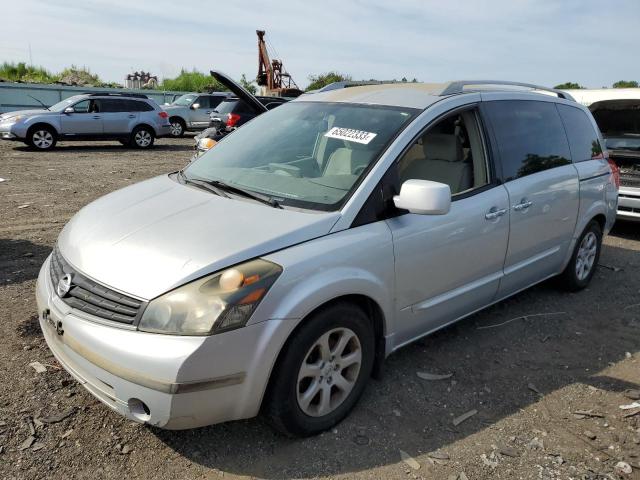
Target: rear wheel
pixel 42 138
pixel 142 137
pixel 584 260
pixel 322 372
pixel 177 127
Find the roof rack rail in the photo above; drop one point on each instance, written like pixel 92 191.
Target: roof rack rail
pixel 349 83
pixel 116 94
pixel 458 87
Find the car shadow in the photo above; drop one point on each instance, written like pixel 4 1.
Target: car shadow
pixel 62 148
pixel 20 260
pixel 626 229
pixel 503 359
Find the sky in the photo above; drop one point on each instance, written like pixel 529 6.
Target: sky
pixel 546 42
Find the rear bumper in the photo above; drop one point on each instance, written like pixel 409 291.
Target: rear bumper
pixel 163 131
pixel 629 204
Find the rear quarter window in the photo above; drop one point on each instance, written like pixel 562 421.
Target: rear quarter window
pixel 530 136
pixel 583 139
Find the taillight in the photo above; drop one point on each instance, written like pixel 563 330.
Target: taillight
pixel 232 119
pixel 615 169
pixel 163 114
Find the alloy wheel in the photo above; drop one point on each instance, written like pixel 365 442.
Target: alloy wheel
pixel 586 255
pixel 142 138
pixel 329 372
pixel 42 139
pixel 176 129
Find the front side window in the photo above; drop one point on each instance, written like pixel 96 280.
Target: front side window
pixel 185 100
pixel 450 152
pixel 304 154
pixel 583 139
pixel 530 136
pixel 86 106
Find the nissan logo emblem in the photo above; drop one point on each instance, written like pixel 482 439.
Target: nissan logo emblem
pixel 64 285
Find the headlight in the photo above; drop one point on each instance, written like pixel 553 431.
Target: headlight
pixel 206 143
pixel 220 302
pixel 12 119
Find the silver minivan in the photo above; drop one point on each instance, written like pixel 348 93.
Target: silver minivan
pixel 275 273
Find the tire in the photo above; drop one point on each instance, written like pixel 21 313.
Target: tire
pixel 142 137
pixel 584 261
pixel 178 127
pixel 42 137
pixel 306 400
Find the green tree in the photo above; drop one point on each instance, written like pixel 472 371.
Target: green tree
pixel 569 86
pixel 252 87
pixel 324 79
pixel 192 81
pixel 625 84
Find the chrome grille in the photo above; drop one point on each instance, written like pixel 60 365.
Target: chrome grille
pixel 93 298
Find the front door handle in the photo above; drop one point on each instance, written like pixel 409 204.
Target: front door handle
pixel 132 116
pixel 495 213
pixel 96 117
pixel 522 206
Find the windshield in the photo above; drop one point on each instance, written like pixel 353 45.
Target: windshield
pixel 185 100
pixel 304 154
pixel 60 106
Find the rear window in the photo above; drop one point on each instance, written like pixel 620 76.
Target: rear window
pixel 583 139
pixel 530 136
pixel 233 106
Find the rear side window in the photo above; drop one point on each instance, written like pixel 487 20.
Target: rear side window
pixel 113 105
pixel 138 106
pixel 583 139
pixel 530 136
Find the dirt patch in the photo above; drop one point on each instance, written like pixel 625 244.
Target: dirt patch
pixel 547 388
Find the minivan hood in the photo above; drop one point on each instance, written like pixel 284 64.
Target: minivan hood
pixel 156 235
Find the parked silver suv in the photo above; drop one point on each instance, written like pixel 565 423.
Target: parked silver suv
pixel 276 271
pixel 191 111
pixel 133 119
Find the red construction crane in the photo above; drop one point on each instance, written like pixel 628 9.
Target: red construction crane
pixel 271 73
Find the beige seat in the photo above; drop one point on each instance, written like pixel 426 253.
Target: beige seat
pixel 442 161
pixel 346 161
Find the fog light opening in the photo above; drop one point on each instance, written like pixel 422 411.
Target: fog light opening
pixel 139 409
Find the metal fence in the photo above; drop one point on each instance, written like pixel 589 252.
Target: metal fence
pixel 18 96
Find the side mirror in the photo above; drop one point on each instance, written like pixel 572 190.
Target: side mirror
pixel 424 197
pixel 69 110
pixel 195 106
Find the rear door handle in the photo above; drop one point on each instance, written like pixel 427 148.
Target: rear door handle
pixel 495 213
pixel 522 206
pixel 96 117
pixel 132 116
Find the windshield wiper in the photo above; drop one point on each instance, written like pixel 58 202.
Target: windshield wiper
pixel 203 184
pixel 45 107
pixel 266 199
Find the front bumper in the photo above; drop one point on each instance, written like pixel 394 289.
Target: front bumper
pixel 7 132
pixel 168 381
pixel 629 204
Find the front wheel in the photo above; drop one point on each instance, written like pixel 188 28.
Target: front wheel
pixel 142 137
pixel 584 260
pixel 322 372
pixel 177 127
pixel 42 138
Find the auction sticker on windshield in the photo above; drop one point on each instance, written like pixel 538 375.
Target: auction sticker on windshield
pixel 350 135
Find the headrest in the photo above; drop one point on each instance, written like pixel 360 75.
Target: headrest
pixel 440 146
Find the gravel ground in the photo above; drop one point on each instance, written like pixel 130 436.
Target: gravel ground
pixel 526 379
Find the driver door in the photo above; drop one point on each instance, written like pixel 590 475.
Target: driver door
pixel 86 119
pixel 448 266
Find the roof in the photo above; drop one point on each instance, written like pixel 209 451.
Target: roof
pixel 419 95
pixel 410 95
pixel 588 96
